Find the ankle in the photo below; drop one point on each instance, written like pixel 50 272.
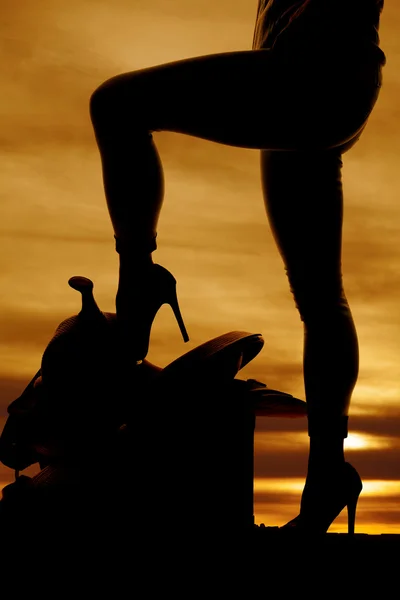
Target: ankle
pixel 134 246
pixel 131 265
pixel 320 472
pixel 325 426
pixel 326 455
pixel 134 258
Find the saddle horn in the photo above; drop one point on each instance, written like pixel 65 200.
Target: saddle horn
pixel 90 311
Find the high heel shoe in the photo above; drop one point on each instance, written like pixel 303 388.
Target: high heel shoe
pixel 138 302
pixel 322 502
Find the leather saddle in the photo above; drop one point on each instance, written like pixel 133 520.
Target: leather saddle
pixel 86 390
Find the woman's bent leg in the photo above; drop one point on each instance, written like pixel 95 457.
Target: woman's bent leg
pixel 203 97
pixel 241 99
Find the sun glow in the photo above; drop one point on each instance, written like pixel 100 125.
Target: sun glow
pixel 275 485
pixel 372 487
pixel 362 441
pixel 292 441
pixel 379 487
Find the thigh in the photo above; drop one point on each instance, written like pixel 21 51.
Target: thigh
pixel 245 99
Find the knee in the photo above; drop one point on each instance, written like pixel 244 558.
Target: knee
pixel 321 312
pixel 119 105
pixel 117 101
pixel 102 102
pixel 318 301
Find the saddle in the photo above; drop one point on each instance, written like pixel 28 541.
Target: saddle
pixel 86 388
pixel 88 408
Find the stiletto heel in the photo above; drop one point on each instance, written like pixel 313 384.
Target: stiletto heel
pixel 322 503
pixel 351 514
pixel 138 302
pixel 178 316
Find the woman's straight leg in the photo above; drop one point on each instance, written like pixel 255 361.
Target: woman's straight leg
pixel 304 202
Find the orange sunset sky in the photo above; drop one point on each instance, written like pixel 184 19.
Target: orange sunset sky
pixel 213 233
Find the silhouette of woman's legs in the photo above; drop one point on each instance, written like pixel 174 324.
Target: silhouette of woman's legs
pixel 244 99
pixel 302 121
pixel 304 201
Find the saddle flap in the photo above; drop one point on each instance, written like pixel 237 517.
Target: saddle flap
pixel 217 360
